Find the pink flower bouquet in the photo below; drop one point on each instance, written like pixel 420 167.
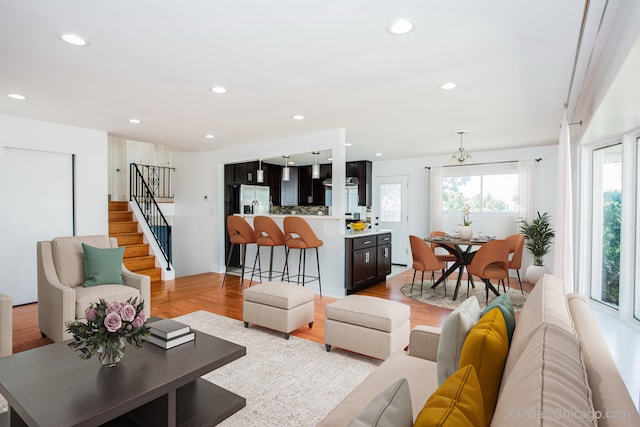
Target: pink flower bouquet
pixel 107 326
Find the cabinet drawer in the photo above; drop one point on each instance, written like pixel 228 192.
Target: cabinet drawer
pixel 364 242
pixel 384 239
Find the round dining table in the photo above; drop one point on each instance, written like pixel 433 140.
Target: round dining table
pixel 462 250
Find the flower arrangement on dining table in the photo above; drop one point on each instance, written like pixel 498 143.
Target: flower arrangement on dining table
pixel 466 210
pixel 106 327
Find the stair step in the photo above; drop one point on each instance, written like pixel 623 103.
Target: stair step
pixel 118 206
pixel 155 274
pixel 120 216
pixel 140 263
pixel 122 227
pixel 132 251
pixel 129 239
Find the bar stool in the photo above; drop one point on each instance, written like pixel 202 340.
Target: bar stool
pixel 267 234
pixel 306 239
pixel 241 234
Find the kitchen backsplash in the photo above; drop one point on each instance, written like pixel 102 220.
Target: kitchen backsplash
pixel 300 210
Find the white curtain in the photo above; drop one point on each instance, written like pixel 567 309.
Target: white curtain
pixel 563 258
pixel 526 172
pixel 435 199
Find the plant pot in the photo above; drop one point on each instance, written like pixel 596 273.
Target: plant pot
pixel 465 232
pixel 535 272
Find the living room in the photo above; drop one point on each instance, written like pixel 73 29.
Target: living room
pixel 199 225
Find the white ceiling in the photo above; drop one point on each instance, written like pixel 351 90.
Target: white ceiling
pixel 331 61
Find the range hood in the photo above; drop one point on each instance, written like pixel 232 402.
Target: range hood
pixel 349 182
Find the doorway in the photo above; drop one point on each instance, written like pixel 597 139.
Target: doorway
pixel 391 214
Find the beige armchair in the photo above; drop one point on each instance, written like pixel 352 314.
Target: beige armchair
pixel 6 325
pixel 61 273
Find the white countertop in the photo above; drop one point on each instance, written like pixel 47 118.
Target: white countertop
pixel 350 234
pixel 313 217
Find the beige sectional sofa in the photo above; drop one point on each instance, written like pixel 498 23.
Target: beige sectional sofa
pixel 558 370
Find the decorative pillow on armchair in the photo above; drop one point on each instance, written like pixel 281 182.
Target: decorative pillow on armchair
pixel 102 266
pixel 454 331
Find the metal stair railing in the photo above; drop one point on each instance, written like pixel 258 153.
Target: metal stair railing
pixel 142 194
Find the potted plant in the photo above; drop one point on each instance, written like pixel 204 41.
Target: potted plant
pixel 538 235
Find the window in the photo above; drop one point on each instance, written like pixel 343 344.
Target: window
pixel 491 191
pixel 391 202
pixel 607 219
pixel 484 193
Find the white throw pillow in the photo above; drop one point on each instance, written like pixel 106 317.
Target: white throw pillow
pixel 454 331
pixel 391 408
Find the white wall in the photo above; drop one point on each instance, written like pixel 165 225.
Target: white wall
pixel 90 149
pixel 418 180
pixel 198 235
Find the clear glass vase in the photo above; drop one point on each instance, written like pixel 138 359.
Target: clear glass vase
pixel 110 353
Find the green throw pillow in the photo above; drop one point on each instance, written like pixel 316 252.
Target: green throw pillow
pixel 102 266
pixel 503 302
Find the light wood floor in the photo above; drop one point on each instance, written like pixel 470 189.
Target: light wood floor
pixel 204 292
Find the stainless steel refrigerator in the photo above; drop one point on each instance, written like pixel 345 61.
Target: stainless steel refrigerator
pixel 254 199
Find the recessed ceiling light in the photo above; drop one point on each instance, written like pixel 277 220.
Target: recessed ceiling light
pixel 378 154
pixel 448 86
pixel 135 121
pixel 297 117
pixel 218 89
pixel 17 96
pixel 399 27
pixel 74 39
pixel 209 136
pixel 348 144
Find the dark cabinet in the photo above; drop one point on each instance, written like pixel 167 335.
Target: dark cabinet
pixel 361 170
pixel 368 260
pixel 383 261
pixel 311 191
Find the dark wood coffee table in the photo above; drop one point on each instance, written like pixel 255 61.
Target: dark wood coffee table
pixel 52 386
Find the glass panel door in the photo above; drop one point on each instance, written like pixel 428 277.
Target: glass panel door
pixel 607 216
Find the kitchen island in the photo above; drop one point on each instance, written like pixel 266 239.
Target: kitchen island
pixel 336 255
pixel 329 229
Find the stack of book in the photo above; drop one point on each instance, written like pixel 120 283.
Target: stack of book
pixel 168 333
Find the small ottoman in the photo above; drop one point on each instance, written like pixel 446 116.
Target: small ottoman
pixel 280 306
pixel 368 325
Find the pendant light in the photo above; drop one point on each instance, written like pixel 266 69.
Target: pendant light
pixel 285 171
pixel 260 173
pixel 462 155
pixel 315 169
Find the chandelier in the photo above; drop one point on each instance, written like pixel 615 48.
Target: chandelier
pixel 461 155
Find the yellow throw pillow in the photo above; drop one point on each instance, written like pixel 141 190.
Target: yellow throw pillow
pixel 457 402
pixel 486 348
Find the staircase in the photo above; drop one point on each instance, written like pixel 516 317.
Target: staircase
pixel 137 256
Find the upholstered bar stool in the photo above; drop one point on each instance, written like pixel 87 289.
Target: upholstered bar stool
pixel 270 235
pixel 298 234
pixel 240 234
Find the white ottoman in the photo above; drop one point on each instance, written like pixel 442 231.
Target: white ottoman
pixel 280 306
pixel 368 325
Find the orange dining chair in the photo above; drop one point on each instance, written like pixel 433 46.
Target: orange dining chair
pixel 298 234
pixel 516 246
pixel 490 262
pixel 439 249
pixel 424 259
pixel 240 234
pixel 268 234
